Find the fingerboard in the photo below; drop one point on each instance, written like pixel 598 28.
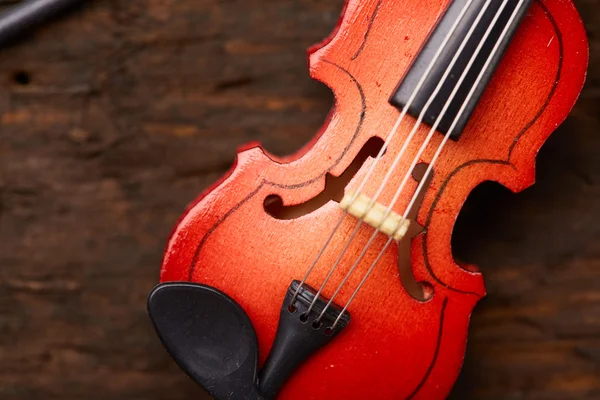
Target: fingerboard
pixel 506 22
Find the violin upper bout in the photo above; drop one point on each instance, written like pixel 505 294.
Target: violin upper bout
pixel 373 32
pixel 349 15
pixel 566 70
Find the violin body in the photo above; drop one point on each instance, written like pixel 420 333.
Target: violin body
pixel 397 346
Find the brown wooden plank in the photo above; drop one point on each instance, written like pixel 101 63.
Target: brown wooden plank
pixel 134 107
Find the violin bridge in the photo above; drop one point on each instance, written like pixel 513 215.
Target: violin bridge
pixel 375 216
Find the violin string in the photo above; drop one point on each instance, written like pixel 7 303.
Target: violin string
pixel 389 139
pixel 434 159
pixel 420 152
pixel 399 157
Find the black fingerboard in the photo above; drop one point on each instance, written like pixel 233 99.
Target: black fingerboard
pixel 407 86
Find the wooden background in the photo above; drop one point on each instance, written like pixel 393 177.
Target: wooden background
pixel 113 119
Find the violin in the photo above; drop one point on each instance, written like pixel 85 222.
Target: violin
pixel 329 274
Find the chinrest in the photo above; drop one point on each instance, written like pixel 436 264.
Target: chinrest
pixel 210 337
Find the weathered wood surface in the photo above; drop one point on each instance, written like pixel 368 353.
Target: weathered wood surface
pixel 115 118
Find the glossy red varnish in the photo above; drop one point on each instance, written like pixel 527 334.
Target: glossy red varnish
pixel 395 347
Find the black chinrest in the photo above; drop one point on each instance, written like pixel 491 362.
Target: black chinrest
pixel 210 336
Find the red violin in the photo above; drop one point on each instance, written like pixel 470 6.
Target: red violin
pixel 329 274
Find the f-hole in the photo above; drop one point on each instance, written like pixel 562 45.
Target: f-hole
pixel 421 291
pixel 334 187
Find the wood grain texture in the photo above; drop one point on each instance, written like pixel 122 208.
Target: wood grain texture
pixel 135 107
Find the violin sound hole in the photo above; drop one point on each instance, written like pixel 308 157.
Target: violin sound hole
pixel 334 190
pixel 419 172
pixel 334 187
pixel 421 291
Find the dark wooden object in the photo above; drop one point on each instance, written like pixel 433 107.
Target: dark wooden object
pixel 30 14
pixel 112 120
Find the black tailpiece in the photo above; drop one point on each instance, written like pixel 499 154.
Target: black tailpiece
pixel 212 338
pixel 298 336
